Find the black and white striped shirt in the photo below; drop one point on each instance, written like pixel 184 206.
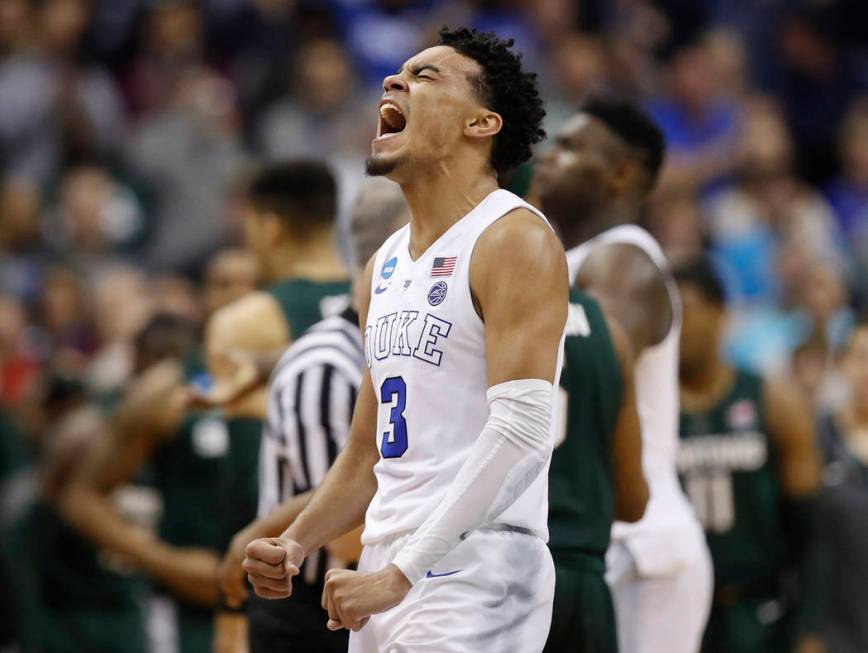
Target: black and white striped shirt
pixel 311 396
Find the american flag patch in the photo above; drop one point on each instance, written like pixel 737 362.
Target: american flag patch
pixel 443 266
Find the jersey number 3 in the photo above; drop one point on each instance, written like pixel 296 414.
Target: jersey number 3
pixel 394 392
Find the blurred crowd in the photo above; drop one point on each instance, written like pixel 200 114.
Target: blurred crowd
pixel 128 129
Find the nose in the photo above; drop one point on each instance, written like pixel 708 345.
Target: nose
pixel 394 83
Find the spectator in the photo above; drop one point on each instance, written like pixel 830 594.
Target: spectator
pixel 844 442
pixel 187 155
pixel 22 253
pixel 816 85
pixel 848 193
pixel 95 216
pixel 55 107
pixel 700 122
pixel 323 116
pixel 766 207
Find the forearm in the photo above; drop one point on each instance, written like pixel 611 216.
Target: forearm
pixel 94 516
pixel 340 502
pixel 278 520
pixel 188 573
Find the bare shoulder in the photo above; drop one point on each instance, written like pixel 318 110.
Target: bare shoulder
pixel 632 288
pixel 520 241
pixel 249 320
pixel 621 266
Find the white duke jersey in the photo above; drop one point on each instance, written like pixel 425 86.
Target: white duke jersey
pixel 425 347
pixel 668 536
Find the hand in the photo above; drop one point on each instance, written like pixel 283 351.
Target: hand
pixel 230 633
pixel 241 377
pixel 351 597
pixel 270 563
pixel 230 573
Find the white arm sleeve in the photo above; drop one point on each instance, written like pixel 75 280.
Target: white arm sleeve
pixel 506 458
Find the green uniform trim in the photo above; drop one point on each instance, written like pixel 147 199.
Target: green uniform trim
pixel 305 302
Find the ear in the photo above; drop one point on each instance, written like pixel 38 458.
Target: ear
pixel 625 176
pixel 272 227
pixel 483 125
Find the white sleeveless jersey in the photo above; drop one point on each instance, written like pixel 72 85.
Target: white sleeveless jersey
pixel 425 347
pixel 668 535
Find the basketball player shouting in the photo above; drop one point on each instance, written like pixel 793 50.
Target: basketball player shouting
pixel 593 182
pixel 452 433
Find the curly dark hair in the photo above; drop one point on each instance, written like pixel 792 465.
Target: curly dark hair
pixel 505 88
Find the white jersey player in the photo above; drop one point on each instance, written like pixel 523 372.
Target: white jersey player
pixel 604 163
pixel 463 313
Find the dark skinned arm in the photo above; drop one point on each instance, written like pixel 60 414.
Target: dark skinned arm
pixel 151 412
pixel 631 290
pixel 792 430
pixel 631 491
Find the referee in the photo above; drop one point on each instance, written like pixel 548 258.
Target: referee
pixel 311 396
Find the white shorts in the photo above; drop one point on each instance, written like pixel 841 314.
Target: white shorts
pixel 659 613
pixel 492 593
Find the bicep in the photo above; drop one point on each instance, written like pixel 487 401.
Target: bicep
pixel 523 302
pixel 792 429
pixel 631 289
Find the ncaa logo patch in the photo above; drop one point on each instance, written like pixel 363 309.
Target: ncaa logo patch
pixel 386 273
pixel 389 267
pixel 437 293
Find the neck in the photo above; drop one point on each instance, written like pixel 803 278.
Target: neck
pixel 577 229
pixel 706 383
pixel 437 201
pixel 316 258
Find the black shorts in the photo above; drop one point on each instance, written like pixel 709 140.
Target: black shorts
pixel 293 625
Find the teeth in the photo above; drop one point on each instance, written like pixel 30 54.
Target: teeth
pixel 386 106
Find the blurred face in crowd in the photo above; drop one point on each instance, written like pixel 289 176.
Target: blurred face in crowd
pixel 856 365
pixel 585 169
pixel 12 324
pixel 63 24
pixel 324 77
pixel 123 303
pixel 430 111
pixel 175 29
pixel 14 22
pixel 230 275
pixel 701 329
pixel 693 78
pixel 19 208
pixel 85 197
pixel 62 303
pixel 854 145
pixel 580 64
pixel 766 145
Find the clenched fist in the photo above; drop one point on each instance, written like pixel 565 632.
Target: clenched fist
pixel 351 597
pixel 270 563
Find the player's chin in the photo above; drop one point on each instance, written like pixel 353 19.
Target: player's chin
pixel 381 165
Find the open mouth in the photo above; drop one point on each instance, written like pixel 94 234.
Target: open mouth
pixel 392 120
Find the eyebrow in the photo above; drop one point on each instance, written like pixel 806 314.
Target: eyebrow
pixel 419 68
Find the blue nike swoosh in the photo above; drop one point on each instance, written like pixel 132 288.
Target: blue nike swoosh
pixel 379 290
pixel 448 573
